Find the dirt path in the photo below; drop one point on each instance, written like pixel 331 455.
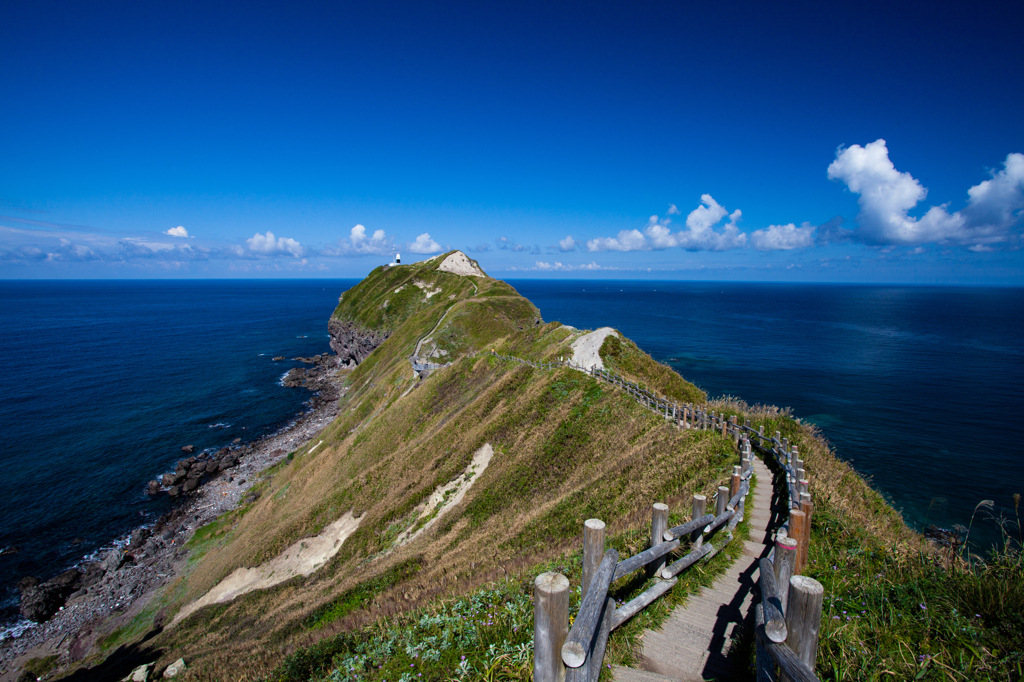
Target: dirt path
pixel 692 645
pixel 585 349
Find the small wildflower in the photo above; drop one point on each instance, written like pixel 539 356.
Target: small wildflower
pixel 923 607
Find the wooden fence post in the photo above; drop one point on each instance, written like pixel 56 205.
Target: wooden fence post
pixel 593 550
pixel 808 509
pixel 659 524
pixel 735 431
pixel 765 664
pixel 798 531
pixel 734 483
pixel 771 602
pixel 723 498
pixel 550 626
pixel 803 619
pixel 700 503
pixel 785 562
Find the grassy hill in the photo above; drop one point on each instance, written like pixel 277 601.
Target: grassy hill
pixel 565 448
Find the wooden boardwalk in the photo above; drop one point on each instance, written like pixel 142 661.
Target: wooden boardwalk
pixel 692 645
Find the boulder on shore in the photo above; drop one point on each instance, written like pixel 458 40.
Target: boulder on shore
pixel 39 601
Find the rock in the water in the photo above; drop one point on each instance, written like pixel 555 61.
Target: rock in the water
pixel 153 488
pixel 294 378
pixel 173 491
pixel 278 358
pixel 236 441
pixel 69 581
pixel 173 479
pixel 189 449
pixel 39 601
pixel 139 537
pixel 175 668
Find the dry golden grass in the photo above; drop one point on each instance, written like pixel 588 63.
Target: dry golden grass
pixel 566 448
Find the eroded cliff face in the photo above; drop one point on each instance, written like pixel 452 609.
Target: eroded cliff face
pixel 352 342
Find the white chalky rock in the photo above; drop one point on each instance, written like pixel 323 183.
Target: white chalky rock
pixel 175 668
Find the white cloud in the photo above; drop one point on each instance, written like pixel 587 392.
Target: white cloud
pixel 424 244
pixel 268 245
pixel 567 244
pixel 672 210
pixel 561 267
pixel 509 244
pixel 699 235
pixel 996 204
pixel 627 240
pixel 178 231
pixel 358 244
pixel 783 237
pixel 887 195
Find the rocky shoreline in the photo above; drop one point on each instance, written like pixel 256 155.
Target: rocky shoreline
pixel 85 604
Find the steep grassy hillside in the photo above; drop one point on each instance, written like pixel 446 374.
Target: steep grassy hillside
pixel 566 448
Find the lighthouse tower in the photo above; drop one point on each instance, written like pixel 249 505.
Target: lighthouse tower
pixel 398 259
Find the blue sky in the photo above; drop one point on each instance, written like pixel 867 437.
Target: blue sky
pixel 816 142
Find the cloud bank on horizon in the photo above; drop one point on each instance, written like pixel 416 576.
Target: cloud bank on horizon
pixel 887 198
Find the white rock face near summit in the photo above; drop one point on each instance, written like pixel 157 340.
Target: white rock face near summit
pixel 458 263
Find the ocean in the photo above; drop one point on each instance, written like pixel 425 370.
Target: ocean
pixel 103 382
pixel 920 388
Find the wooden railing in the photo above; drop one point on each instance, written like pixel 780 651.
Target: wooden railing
pixel 576 655
pixel 788 616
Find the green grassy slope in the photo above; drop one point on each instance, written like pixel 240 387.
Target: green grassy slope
pixel 567 448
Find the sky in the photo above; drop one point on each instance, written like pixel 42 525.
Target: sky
pixel 819 142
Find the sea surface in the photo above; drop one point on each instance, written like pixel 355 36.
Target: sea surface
pixel 103 382
pixel 921 388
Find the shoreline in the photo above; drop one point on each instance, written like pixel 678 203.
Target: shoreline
pixel 139 564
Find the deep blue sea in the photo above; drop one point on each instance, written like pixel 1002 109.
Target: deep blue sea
pixel 921 388
pixel 103 382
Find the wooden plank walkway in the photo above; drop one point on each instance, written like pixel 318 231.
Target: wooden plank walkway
pixel 692 645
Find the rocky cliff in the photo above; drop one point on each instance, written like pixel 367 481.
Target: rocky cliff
pixel 353 342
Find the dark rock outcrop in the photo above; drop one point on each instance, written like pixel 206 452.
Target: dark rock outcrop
pixel 352 342
pixel 39 601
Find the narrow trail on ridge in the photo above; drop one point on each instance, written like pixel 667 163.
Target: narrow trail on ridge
pixel 692 644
